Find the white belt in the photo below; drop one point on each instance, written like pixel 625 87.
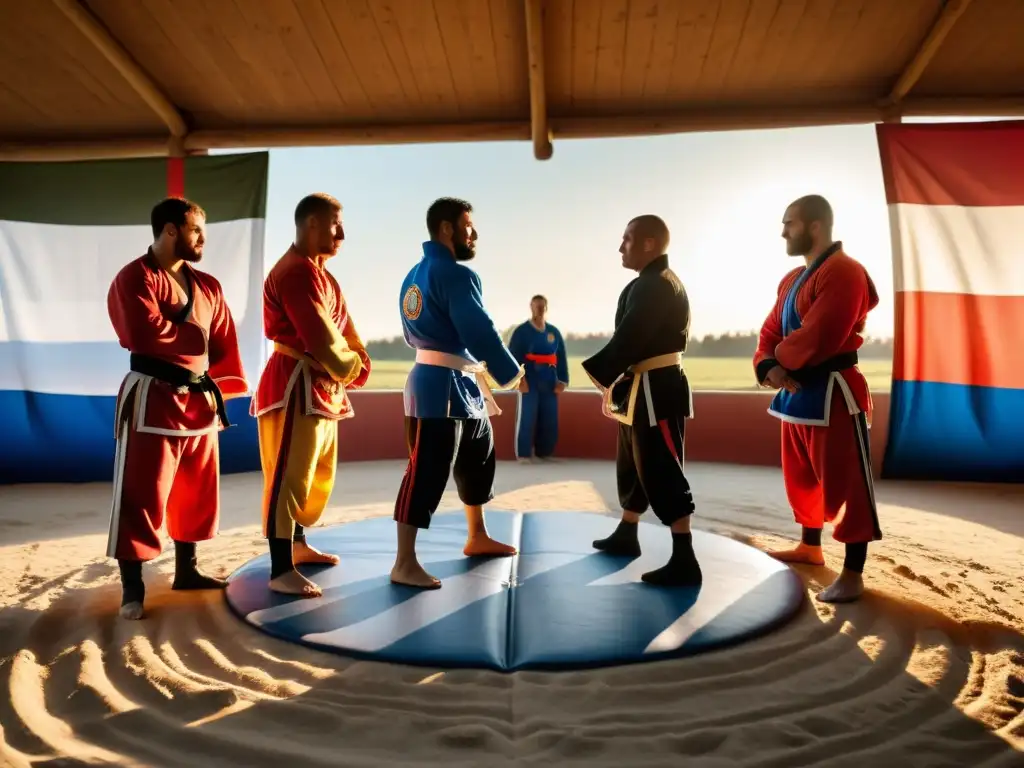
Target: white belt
pixel 672 359
pixel 458 363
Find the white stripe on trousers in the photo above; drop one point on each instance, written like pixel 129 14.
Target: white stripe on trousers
pixel 120 458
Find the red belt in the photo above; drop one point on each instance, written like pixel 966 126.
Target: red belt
pixel 549 359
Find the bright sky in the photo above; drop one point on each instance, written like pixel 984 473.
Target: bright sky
pixel 554 227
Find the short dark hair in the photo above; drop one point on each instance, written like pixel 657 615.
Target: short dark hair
pixel 445 209
pixel 316 204
pixel 814 208
pixel 538 297
pixel 649 225
pixel 172 210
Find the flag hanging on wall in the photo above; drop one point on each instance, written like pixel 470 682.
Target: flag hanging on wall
pixel 956 206
pixel 66 228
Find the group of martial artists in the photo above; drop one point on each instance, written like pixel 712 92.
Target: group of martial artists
pixel 185 363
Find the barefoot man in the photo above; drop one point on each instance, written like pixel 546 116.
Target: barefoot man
pixel 448 402
pixel 808 351
pixel 184 363
pixel 641 374
pixel 301 395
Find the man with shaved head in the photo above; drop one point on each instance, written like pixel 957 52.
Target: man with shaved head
pixel 807 350
pixel 645 389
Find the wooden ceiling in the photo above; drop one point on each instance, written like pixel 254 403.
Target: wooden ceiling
pixel 92 78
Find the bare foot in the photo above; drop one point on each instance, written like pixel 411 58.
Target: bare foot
pixel 801 553
pixel 131 611
pixel 304 553
pixel 848 586
pixel 484 546
pixel 413 575
pixel 294 583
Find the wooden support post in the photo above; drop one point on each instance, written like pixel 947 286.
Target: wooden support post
pixel 539 129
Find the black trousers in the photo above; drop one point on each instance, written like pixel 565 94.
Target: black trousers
pixel 649 467
pixel 439 448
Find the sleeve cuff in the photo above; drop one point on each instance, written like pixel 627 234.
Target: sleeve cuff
pixel 232 387
pixel 597 383
pixel 590 363
pixel 764 367
pixel 515 381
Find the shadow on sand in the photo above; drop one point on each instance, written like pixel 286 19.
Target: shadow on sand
pixel 211 691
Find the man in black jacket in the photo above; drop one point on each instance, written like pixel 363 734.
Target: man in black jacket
pixel 645 389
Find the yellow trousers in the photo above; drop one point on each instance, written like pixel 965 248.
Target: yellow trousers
pixel 299 455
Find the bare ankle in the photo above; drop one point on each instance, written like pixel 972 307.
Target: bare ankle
pixel 681 526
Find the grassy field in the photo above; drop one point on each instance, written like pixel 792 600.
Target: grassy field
pixel 723 373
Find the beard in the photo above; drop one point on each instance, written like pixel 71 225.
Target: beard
pixel 186 252
pixel 464 252
pixel 800 246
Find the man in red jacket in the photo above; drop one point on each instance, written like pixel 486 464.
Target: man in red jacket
pixel 184 363
pixel 301 395
pixel 808 351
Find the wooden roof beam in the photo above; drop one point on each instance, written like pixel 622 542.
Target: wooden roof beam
pixel 356 135
pixel 951 11
pixel 115 53
pixel 705 119
pixel 540 130
pixel 40 151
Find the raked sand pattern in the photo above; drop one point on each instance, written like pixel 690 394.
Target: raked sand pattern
pixel 927 670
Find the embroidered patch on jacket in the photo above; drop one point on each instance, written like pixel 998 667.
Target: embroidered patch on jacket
pixel 412 302
pixel 551 338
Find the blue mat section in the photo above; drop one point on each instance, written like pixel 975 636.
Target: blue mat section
pixel 559 604
pixel 955 432
pixel 70 438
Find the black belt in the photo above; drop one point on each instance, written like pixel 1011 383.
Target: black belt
pixel 811 373
pixel 181 379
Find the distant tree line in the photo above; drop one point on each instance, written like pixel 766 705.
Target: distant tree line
pixel 584 345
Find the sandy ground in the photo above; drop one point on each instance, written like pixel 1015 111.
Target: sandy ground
pixel 927 670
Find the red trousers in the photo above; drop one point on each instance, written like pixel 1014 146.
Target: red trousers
pixel 157 477
pixel 827 472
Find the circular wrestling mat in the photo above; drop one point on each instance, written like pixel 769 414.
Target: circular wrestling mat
pixel 558 604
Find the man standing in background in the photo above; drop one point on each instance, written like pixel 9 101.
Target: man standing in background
pixel 540 349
